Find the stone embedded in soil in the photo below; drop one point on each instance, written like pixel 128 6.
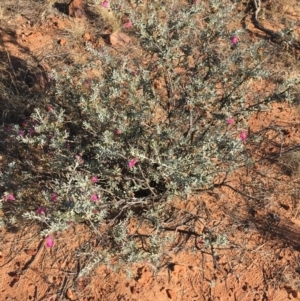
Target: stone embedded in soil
pixel 31 252
pixel 62 42
pixel 171 294
pixel 70 295
pixel 76 8
pixel 87 36
pixel 117 39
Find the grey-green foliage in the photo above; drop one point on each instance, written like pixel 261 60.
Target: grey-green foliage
pixel 178 133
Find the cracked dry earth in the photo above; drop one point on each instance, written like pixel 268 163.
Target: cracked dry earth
pixel 258 210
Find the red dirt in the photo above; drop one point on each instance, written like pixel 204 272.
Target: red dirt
pixel 261 261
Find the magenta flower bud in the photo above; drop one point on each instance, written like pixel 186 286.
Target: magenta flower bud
pixel 49 109
pixel 54 197
pixel 9 197
pixel 94 198
pixel 94 179
pixel 243 136
pixel 49 242
pixel 230 120
pixel 105 4
pixel 128 24
pixel 234 40
pixel 41 210
pixel 31 131
pixel 132 162
pixel 117 132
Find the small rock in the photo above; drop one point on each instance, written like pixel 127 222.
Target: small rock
pixel 76 8
pixel 171 294
pixel 70 294
pixel 31 252
pixel 62 42
pixel 118 39
pixel 87 36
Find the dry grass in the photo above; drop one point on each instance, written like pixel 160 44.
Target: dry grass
pixel 3 15
pixel 113 22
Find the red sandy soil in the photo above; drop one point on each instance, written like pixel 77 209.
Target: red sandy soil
pixel 259 212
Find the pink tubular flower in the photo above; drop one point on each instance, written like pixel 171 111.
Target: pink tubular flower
pixel 41 210
pixel 9 197
pixel 234 40
pixel 128 24
pixel 94 198
pixel 54 197
pixel 105 4
pixel 132 162
pixel 94 179
pixel 243 136
pixel 31 131
pixel 117 132
pixel 49 242
pixel 230 120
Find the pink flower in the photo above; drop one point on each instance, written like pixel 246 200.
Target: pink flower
pixel 234 40
pixel 132 162
pixel 31 131
pixel 21 133
pixel 105 4
pixel 243 136
pixel 49 109
pixel 94 198
pixel 9 197
pixel 79 159
pixel 49 242
pixel 41 210
pixel 196 1
pixel 117 132
pixel 230 120
pixel 54 197
pixel 128 24
pixel 94 179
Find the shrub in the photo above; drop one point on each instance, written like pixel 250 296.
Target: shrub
pixel 164 119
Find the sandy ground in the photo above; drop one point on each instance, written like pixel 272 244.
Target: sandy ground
pixel 258 210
